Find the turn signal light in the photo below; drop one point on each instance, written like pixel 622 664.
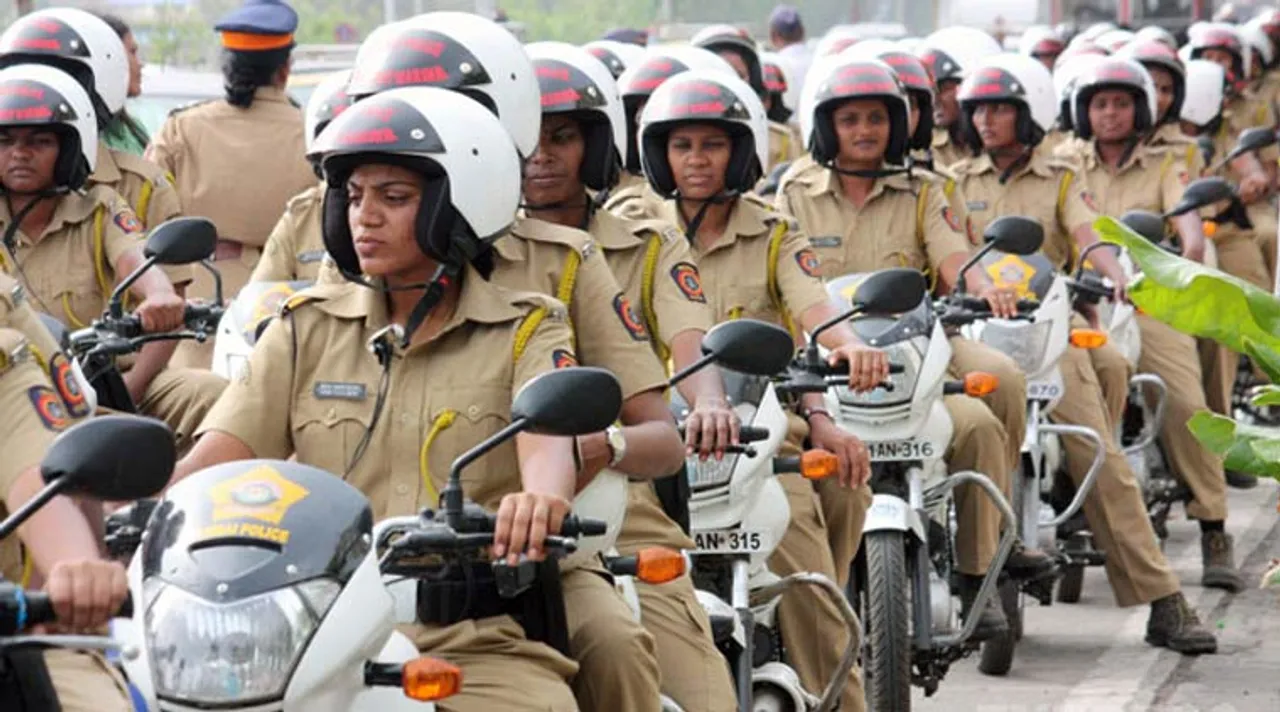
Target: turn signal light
pixel 658 564
pixel 818 464
pixel 429 679
pixel 1210 228
pixel 1088 338
pixel 980 383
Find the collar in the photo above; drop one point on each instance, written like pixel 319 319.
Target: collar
pixel 270 93
pixel 830 184
pixel 1092 160
pixel 1039 165
pixel 940 137
pixel 744 221
pixel 612 232
pixel 107 170
pixel 72 208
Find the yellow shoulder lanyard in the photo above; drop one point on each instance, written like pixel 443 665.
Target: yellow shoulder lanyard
pixel 775 291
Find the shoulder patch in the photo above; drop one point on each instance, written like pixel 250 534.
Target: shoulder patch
pixel 68 388
pixel 627 315
pixel 48 408
pixel 949 216
pixel 126 220
pixel 688 281
pixel 563 358
pixel 809 263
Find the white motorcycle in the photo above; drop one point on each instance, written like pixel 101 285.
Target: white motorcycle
pixel 263 585
pixel 903 572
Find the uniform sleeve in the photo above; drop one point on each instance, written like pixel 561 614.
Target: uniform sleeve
pixel 678 299
pixel 549 347
pixel 280 252
pixel 944 226
pixel 164 203
pixel 31 414
pixel 610 332
pixel 1080 207
pixel 799 273
pixel 1173 181
pixel 121 231
pixel 256 407
pixel 163 149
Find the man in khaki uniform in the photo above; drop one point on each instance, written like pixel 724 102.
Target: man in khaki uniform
pixel 1014 178
pixel 143 184
pixel 1114 109
pixel 902 220
pixel 577 153
pixel 446 384
pixel 39 398
pixel 215 149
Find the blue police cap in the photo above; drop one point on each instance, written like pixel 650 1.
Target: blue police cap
pixel 258 25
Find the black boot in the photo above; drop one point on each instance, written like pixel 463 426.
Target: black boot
pixel 1028 564
pixel 1217 552
pixel 1174 625
pixel 992 622
pixel 1241 481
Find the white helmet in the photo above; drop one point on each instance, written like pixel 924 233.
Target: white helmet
pixel 915 79
pixel 40 95
pixel 329 99
pixel 1206 90
pixel 871 47
pixel 1220 36
pixel 1157 55
pixel 952 52
pixel 574 82
pixel 462 149
pixel 640 80
pixel 1016 79
pixel 1039 41
pixel 1114 73
pixel 1096 30
pixel 617 56
pixel 1256 38
pixel 705 96
pixel 722 38
pixel 1064 80
pixel 1159 34
pixel 1114 40
pixel 77 42
pixel 837 39
pixel 846 79
pixel 780 80
pixel 459 51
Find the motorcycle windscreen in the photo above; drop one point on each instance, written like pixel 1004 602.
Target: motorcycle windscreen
pixel 244 528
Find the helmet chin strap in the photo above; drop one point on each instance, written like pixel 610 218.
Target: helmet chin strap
pixel 724 196
pixel 11 231
pixel 871 173
pixel 1024 157
pixel 591 205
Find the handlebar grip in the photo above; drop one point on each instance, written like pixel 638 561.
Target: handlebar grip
pixel 752 433
pixel 574 527
pixel 201 312
pixel 971 303
pixel 842 369
pixel 1028 305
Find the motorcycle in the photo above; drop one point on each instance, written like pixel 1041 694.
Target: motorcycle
pixel 263 585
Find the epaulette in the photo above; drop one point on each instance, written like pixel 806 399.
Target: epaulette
pixel 772 215
pixel 190 105
pixel 304 200
pixel 661 228
pixel 311 295
pixel 543 231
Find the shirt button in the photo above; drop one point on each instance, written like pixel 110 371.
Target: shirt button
pixel 473 411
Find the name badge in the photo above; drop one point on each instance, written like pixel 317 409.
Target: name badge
pixel 826 241
pixel 310 256
pixel 976 205
pixel 340 391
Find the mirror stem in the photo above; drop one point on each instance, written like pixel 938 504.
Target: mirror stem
pixel 451 496
pixel 691 369
pixel 811 351
pixel 969 263
pixel 15 520
pixel 115 307
pixel 217 280
pixel 1087 251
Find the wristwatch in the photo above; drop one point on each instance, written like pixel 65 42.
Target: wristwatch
pixel 617 444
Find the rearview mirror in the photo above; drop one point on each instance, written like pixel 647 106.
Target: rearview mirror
pixel 112 457
pixel 569 401
pixel 891 291
pixel 1202 192
pixel 1145 223
pixel 1015 235
pixel 182 241
pixel 1251 140
pixel 61 334
pixel 748 346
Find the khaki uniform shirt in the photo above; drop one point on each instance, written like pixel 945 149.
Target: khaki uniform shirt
pixel 885 232
pixel 143 184
pixel 60 269
pixel 237 167
pixel 39 398
pixel 1153 179
pixel 945 151
pixel 609 333
pixel 1245 112
pixel 784 145
pixel 316 400
pixel 1032 191
pixel 295 247
pixel 636 202
pixel 735 270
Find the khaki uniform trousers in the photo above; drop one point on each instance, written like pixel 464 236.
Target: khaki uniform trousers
pixel 1266 225
pixel 181 397
pixel 1115 510
pixel 235 273
pixel 86 682
pixel 693 671
pixel 501 670
pixel 1238 255
pixel 617 659
pixel 1172 356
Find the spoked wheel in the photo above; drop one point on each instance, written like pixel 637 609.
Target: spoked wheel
pixel 887 669
pixel 997 653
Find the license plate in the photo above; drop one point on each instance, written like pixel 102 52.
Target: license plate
pixel 728 541
pixel 1042 390
pixel 900 450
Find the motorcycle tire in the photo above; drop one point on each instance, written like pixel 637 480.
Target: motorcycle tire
pixel 997 653
pixel 887 667
pixel 1071 584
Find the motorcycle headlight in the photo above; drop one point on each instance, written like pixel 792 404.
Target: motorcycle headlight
pixel 208 653
pixel 904 384
pixel 1024 342
pixel 708 473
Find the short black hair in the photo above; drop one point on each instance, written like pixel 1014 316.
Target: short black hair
pixel 119 26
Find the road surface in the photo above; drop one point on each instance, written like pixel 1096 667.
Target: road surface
pixel 1090 657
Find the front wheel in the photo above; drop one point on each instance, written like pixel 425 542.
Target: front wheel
pixel 887 668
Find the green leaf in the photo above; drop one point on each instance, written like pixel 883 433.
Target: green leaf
pixel 1269 395
pixel 1244 448
pixel 1201 301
